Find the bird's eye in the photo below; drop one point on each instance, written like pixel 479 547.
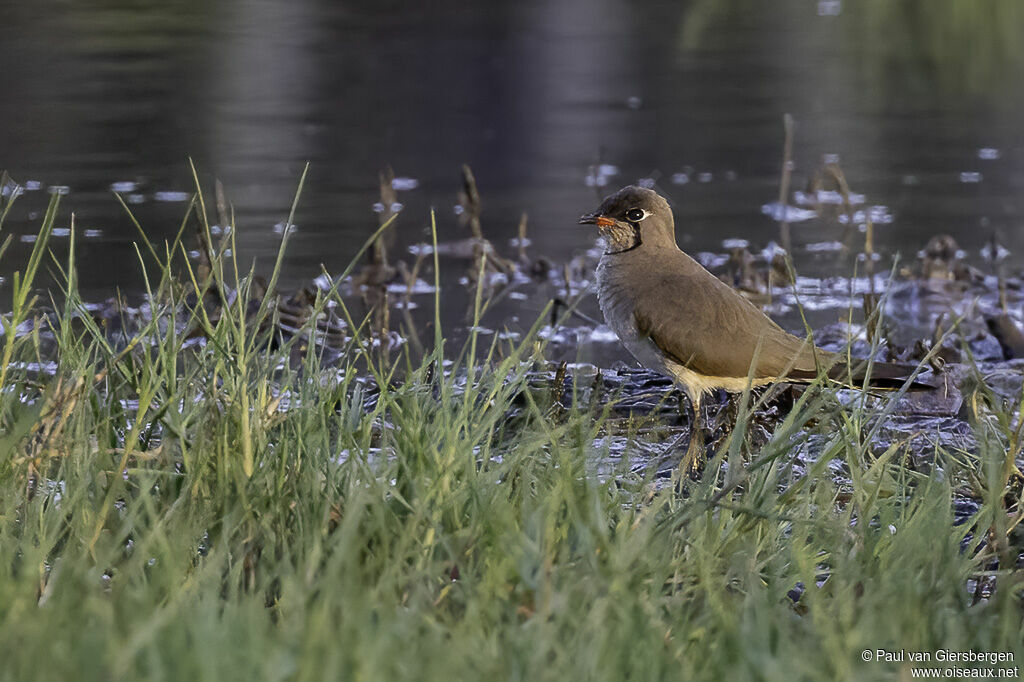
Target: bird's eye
pixel 635 215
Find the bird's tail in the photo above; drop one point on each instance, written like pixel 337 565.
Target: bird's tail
pixel 886 376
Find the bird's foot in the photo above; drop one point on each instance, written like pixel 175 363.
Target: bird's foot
pixel 695 457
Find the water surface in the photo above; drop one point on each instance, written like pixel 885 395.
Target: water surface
pixel 918 102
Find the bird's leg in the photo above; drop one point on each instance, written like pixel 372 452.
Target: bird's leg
pixel 694 456
pixel 732 414
pixel 729 417
pixel 724 411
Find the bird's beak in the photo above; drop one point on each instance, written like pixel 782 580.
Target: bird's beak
pixel 596 219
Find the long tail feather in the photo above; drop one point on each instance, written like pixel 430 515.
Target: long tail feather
pixel 888 376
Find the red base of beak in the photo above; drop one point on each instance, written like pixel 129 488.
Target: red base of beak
pixel 599 220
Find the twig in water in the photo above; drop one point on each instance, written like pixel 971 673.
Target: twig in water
pixel 836 173
pixel 469 199
pixel 521 236
pixel 388 199
pixel 787 169
pixel 870 298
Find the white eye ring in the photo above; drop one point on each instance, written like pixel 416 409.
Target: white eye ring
pixel 633 218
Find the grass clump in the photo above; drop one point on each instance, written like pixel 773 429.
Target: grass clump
pixel 234 508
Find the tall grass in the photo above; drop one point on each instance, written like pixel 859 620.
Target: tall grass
pixel 235 509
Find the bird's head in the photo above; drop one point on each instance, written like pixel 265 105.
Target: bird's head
pixel 632 218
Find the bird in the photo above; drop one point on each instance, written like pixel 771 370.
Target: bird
pixel 678 319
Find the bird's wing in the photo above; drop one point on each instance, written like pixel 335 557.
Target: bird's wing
pixel 716 332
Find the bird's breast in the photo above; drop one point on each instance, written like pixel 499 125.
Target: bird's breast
pixel 617 298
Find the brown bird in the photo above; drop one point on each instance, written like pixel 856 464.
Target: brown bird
pixel 677 318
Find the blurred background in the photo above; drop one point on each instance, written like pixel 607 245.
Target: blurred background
pixel 552 102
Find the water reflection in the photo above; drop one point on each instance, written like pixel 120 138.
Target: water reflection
pixel 550 102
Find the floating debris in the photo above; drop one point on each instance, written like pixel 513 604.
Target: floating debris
pixel 818 247
pixel 994 252
pixel 791 214
pixel 169 196
pixel 600 175
pixel 401 184
pixel 826 196
pixel 10 189
pixel 735 243
pixel 772 251
pixel 417 288
pixel 879 215
pixel 711 261
pixel 602 334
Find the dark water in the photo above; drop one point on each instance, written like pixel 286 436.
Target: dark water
pixel 919 101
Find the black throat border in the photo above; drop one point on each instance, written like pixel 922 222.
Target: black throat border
pixel 637 242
